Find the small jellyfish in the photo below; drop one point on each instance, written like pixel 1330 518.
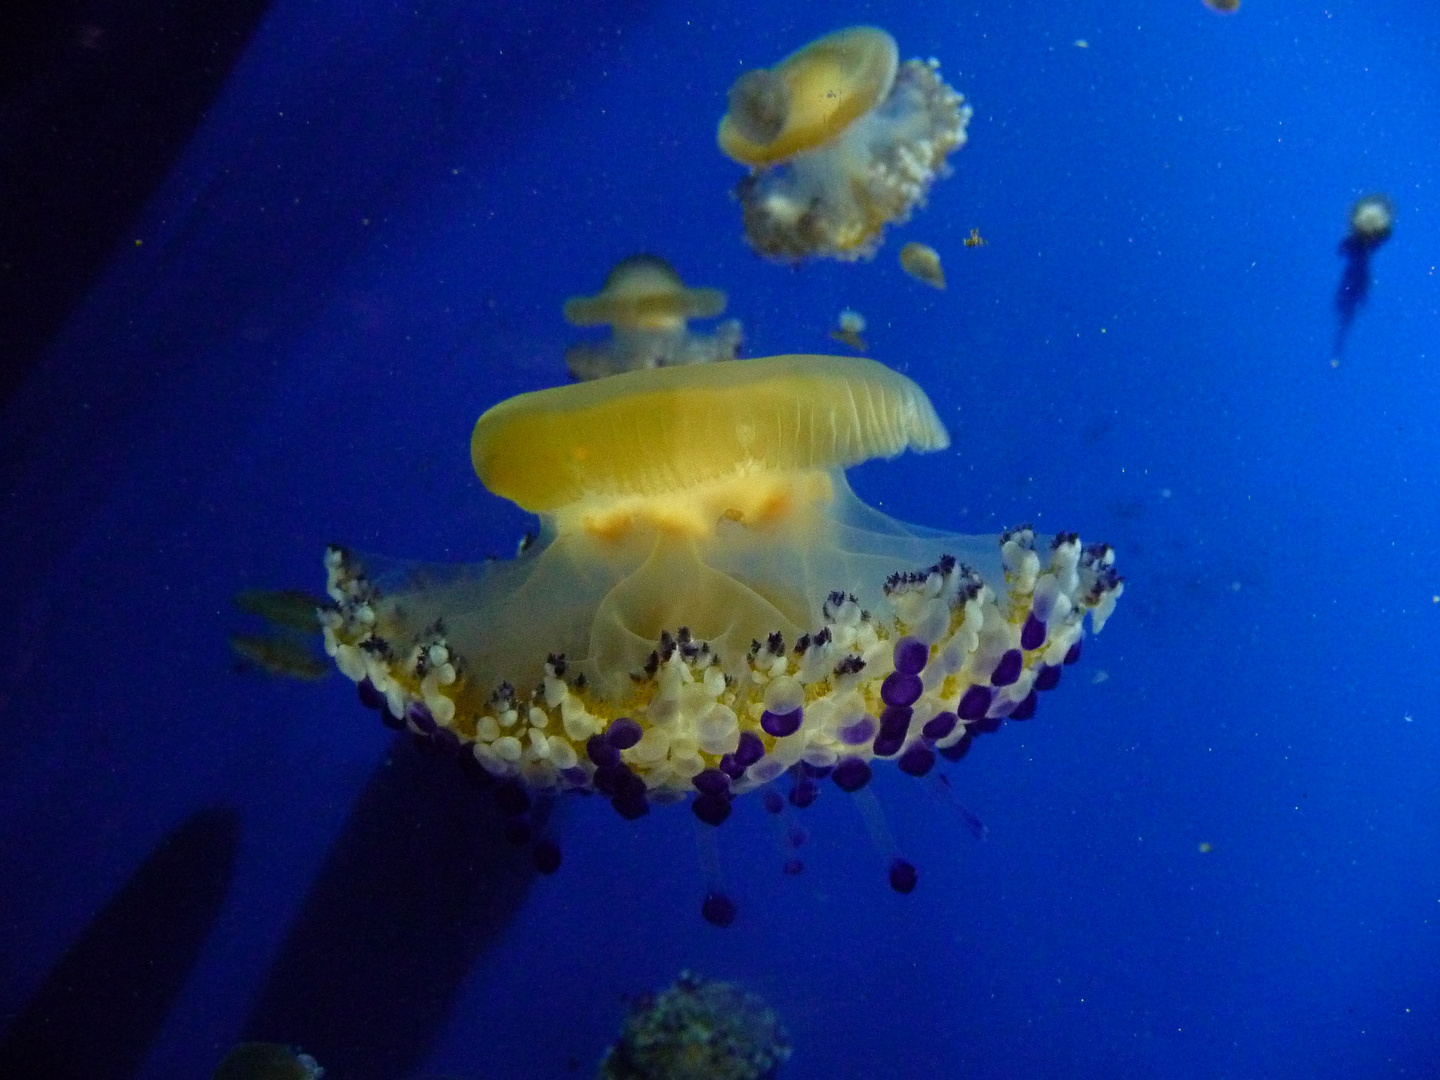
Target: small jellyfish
pixel 849 326
pixel 1372 219
pixel 842 139
pixel 267 1061
pixel 975 239
pixel 922 262
pixel 1225 7
pixel 647 306
pixel 698 1029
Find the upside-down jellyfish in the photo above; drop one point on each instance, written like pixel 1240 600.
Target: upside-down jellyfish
pixel 647 306
pixel 709 606
pixel 842 139
pixel 1372 220
pixel 922 262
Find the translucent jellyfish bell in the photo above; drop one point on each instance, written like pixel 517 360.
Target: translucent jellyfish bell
pixel 647 307
pixel 709 606
pixel 842 140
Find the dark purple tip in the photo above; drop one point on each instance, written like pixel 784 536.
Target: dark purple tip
pixel 718 909
pixel 750 750
pixel 986 726
pixel 602 751
pixel 517 832
pixel 859 733
pixel 959 749
pixel 895 720
pixel 731 768
pixel 711 809
pixel 1073 656
pixel 781 724
pixel 447 742
pixel 917 761
pixel 1026 709
pixel 974 703
pixel 608 779
pixel 772 802
pixel 940 725
pixel 1008 670
pixel 793 867
pixel 712 782
pixel 623 733
pixel 369 696
pixel 1048 677
pixel 911 656
pixel 511 798
pixel 420 718
pixel 902 876
pixel 390 720
pixel 1032 636
pixel 805 792
pixel 630 805
pixel 851 774
pixel 901 690
pixel 546 856
pixel 887 744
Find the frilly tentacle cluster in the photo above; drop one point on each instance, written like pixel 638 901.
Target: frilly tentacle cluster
pixel 836 200
pixel 952 656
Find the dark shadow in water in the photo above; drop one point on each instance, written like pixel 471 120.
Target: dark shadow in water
pixel 102 1006
pixel 418 885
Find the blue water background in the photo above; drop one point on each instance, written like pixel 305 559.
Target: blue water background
pixel 369 241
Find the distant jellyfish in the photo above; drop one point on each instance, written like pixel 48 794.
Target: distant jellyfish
pixel 698 1029
pixel 647 308
pixel 849 326
pixel 1225 7
pixel 1372 219
pixel 709 607
pixel 842 139
pixel 267 1061
pixel 922 262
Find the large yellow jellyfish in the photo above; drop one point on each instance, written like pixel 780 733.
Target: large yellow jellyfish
pixel 709 607
pixel 647 306
pixel 842 139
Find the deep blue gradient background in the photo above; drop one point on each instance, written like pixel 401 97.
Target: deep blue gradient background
pixel 368 243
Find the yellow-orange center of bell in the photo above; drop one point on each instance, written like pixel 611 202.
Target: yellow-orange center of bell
pixel 762 500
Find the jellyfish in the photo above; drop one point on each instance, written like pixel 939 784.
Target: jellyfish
pixel 708 607
pixel 647 307
pixel 922 262
pixel 1372 219
pixel 1225 7
pixel 698 1029
pixel 267 1061
pixel 849 329
pixel 842 140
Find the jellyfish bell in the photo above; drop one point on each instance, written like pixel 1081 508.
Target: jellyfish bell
pixel 842 139
pixel 645 292
pixel 810 97
pixel 709 606
pixel 647 307
pixel 1224 7
pixel 922 262
pixel 1372 220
